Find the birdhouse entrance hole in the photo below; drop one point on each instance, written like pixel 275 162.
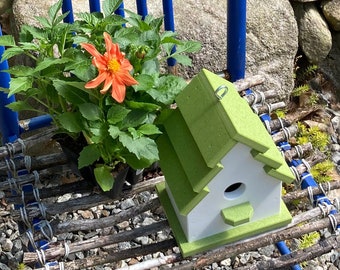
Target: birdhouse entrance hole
pixel 234 191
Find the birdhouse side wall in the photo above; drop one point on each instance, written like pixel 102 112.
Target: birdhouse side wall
pixel 252 185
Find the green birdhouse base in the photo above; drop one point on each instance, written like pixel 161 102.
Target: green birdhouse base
pixel 238 233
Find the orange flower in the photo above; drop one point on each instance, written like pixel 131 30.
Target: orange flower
pixel 114 69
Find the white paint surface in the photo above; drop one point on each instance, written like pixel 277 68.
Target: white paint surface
pixel 260 189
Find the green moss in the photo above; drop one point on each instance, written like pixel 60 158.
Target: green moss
pixel 318 139
pixel 298 91
pixel 308 240
pixel 322 171
pixel 281 113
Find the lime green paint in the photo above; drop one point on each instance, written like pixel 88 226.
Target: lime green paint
pixel 185 197
pixel 237 214
pixel 196 170
pixel 238 233
pixel 216 125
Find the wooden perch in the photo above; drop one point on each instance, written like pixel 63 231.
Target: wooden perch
pixel 246 83
pixel 34 163
pixel 93 224
pixel 267 108
pixel 82 203
pixel 302 255
pixel 55 171
pixel 299 194
pixel 312 160
pixel 59 251
pixel 285 135
pixel 298 151
pixel 259 97
pixel 277 124
pixel 81 186
pixel 120 255
pixel 254 243
pixel 16 147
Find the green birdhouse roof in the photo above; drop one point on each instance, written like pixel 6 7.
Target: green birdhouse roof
pixel 210 120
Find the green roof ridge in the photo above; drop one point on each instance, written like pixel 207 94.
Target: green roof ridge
pixel 196 170
pixel 283 173
pixel 185 197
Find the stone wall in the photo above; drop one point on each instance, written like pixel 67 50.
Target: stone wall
pixel 319 34
pixel 275 31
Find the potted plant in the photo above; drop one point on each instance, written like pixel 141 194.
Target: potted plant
pixel 100 79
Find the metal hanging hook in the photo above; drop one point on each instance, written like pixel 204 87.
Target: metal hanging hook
pixel 221 91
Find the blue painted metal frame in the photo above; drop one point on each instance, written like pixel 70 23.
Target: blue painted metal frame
pixel 236 38
pixel 8 119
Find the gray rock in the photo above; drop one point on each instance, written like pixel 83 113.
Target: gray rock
pixel 331 10
pixel 330 66
pixel 336 158
pixel 272 42
pixel 336 123
pixel 126 204
pixel 143 240
pixel 148 221
pixel 315 38
pixel 244 258
pixel 4 267
pixel 6 244
pixel 17 245
pixel 267 250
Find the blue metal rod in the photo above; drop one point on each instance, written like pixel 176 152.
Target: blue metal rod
pixel 169 25
pixel 142 8
pixel 94 5
pixel 120 10
pixel 67 6
pixel 8 119
pixel 236 38
pixel 35 123
pixel 284 250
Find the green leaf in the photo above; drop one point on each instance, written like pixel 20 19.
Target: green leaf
pixel 43 21
pixel 183 59
pixel 90 18
pixel 20 84
pixel 142 147
pixel 37 33
pixel 189 47
pixel 114 132
pixel 149 129
pixel 10 52
pixel 73 92
pixel 104 177
pixel 149 107
pixel 21 71
pixel 116 114
pixel 53 12
pixel 88 155
pixel 110 6
pixel 150 67
pixel 167 88
pixel 145 81
pixel 71 121
pixel 90 111
pixel 49 62
pixel 136 118
pixel 29 46
pixel 7 40
pixel 20 106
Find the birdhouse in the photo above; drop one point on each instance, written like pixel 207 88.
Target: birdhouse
pixel 223 172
